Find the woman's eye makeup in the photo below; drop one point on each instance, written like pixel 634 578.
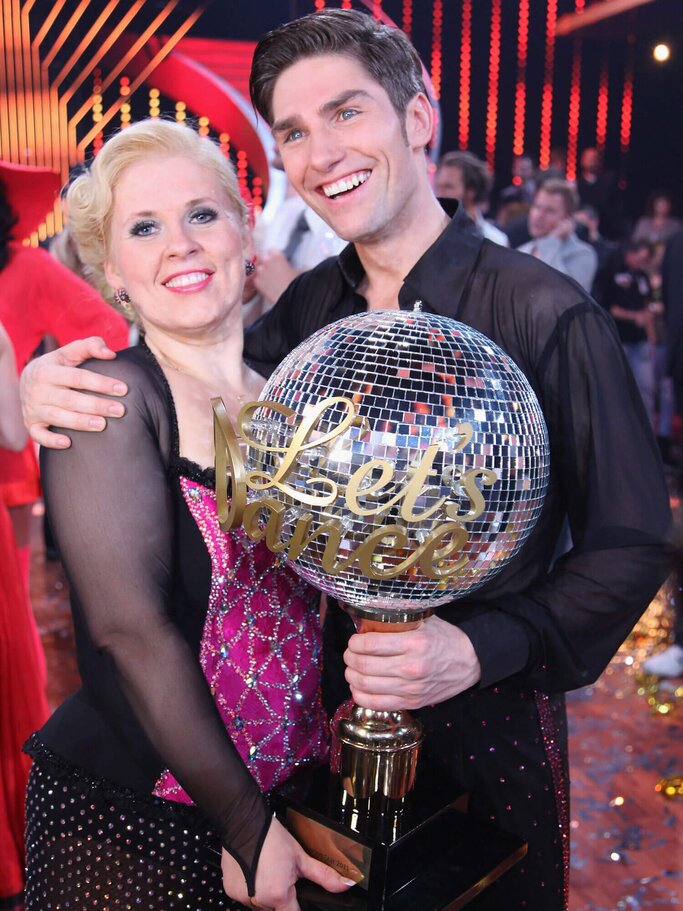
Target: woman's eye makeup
pixel 142 228
pixel 204 215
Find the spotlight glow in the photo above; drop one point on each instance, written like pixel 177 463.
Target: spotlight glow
pixel 661 53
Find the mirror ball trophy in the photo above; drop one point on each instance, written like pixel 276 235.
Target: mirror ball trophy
pixel 397 460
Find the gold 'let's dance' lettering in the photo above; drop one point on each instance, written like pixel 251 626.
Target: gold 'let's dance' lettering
pixel 386 552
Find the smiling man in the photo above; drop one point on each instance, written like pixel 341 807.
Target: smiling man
pixel 351 118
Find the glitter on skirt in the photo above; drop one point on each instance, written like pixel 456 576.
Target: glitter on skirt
pixel 92 845
pixel 260 653
pixel 558 771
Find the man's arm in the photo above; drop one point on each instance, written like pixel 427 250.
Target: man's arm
pixel 560 632
pixel 54 391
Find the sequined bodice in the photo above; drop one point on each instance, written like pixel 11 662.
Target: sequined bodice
pixel 260 653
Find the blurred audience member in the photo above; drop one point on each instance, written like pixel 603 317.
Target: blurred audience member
pixel 598 188
pixel 658 223
pixel 21 680
pixel 553 239
pixel 627 297
pixel 605 249
pixel 463 176
pixel 672 296
pixel 39 297
pixel 557 166
pixel 294 240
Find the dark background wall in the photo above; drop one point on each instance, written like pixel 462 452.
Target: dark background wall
pixel 654 155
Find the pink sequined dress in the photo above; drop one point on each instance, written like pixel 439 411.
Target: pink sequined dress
pixel 199 654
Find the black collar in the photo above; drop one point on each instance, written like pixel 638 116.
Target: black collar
pixel 450 258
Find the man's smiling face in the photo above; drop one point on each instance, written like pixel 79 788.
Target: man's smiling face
pixel 344 147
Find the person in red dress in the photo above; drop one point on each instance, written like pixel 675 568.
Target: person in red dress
pixel 23 699
pixel 38 297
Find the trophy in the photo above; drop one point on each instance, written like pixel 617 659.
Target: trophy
pixel 397 461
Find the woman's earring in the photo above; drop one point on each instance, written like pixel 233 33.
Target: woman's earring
pixel 249 267
pixel 124 302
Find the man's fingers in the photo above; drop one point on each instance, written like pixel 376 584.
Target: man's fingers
pixel 68 400
pixel 384 644
pixel 44 437
pixel 75 353
pixel 324 876
pixel 77 378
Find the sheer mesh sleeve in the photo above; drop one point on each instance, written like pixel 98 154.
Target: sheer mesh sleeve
pixel 111 506
pixel 611 480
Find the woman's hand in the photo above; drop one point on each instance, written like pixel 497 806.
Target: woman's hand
pixel 282 862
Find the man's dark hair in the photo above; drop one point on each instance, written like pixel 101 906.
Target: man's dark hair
pixel 384 52
pixel 562 188
pixel 476 176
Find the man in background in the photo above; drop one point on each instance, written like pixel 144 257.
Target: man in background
pixel 463 176
pixel 553 239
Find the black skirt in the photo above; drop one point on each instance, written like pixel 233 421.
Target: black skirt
pixel 93 844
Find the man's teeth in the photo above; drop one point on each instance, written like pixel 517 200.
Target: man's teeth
pixel 190 278
pixel 346 183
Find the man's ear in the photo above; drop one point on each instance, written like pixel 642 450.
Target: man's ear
pixel 420 118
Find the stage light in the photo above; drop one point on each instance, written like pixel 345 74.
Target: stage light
pixel 661 53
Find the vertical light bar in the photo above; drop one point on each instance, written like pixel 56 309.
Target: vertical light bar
pixel 319 4
pixel 520 84
pixel 257 195
pixel 97 108
pixel 494 79
pixel 574 109
pixel 437 36
pixel 124 95
pixel 154 109
pixel 547 96
pixel 11 141
pixel 35 137
pixel 407 17
pixel 603 104
pixel 626 111
pixel 465 75
pixel 346 4
pixel 377 8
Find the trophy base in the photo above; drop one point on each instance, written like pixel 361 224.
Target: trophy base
pixel 421 853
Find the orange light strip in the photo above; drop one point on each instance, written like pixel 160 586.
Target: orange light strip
pixel 437 36
pixel 465 75
pixel 547 95
pixel 111 38
pixel 520 85
pixel 38 95
pixel 29 93
pixel 574 110
pixel 407 17
pixel 65 32
pixel 11 135
pixel 19 85
pixel 85 41
pixel 603 105
pixel 626 111
pixel 494 79
pixel 142 76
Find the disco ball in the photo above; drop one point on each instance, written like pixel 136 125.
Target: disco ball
pixel 422 477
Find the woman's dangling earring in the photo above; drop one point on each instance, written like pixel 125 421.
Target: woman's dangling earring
pixel 123 302
pixel 249 267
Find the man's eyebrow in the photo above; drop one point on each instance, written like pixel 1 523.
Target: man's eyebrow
pixel 288 123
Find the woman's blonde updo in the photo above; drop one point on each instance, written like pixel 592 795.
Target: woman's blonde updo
pixel 89 199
